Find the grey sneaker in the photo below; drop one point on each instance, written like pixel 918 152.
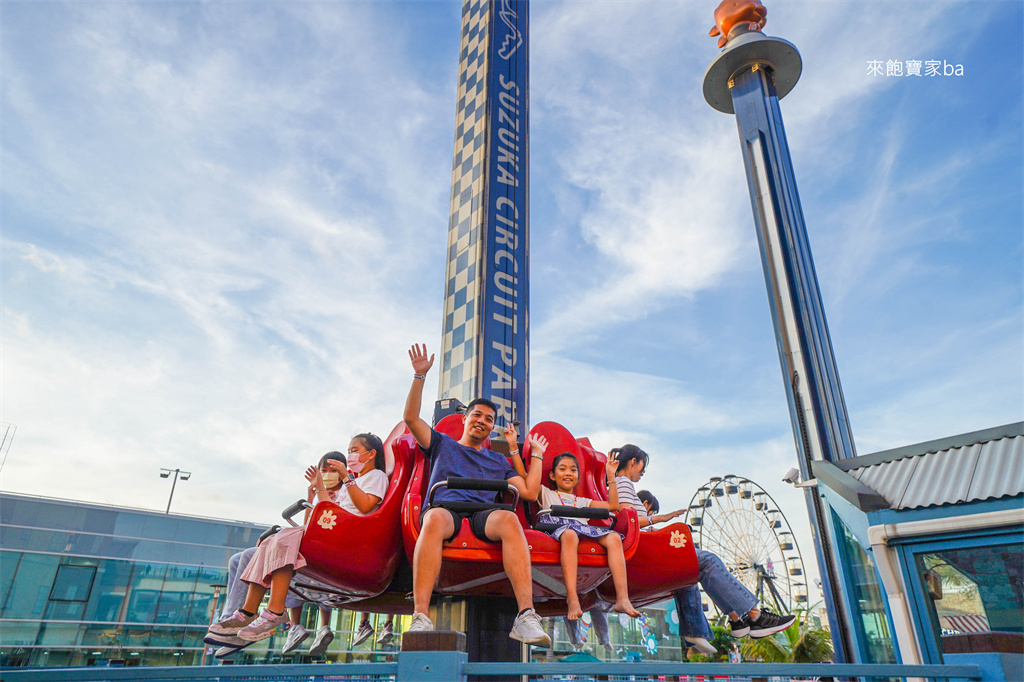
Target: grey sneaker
pixel 527 628
pixel 232 624
pixel 323 639
pixel 296 636
pixel 420 623
pixel 263 627
pixel 387 633
pixel 364 633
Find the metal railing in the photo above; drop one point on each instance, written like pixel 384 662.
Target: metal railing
pixel 450 666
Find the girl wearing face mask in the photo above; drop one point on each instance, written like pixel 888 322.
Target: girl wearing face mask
pixel 277 558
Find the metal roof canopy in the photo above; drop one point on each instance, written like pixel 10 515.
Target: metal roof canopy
pixel 970 467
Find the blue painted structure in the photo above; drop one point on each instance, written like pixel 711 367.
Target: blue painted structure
pixel 451 666
pixel 747 78
pixel 959 499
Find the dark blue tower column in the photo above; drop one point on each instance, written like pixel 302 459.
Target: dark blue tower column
pixel 748 78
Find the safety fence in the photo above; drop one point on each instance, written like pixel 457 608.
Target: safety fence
pixel 448 666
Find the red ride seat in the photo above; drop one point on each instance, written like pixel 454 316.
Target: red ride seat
pixel 471 567
pixel 351 558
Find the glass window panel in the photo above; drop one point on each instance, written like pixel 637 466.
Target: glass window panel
pixel 194 637
pixel 176 597
pixel 73 583
pixel 59 634
pixel 30 587
pixel 18 633
pixel 144 592
pixel 862 580
pixel 135 635
pixel 973 591
pixel 65 610
pixel 202 598
pixel 109 590
pixel 8 567
pixel 167 636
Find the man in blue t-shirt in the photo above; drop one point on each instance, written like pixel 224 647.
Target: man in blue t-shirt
pixel 468 458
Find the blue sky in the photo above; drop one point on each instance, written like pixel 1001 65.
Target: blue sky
pixel 224 224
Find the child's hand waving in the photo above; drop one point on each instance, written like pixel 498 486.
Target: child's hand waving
pixel 538 445
pixel 611 468
pixel 313 476
pixel 339 466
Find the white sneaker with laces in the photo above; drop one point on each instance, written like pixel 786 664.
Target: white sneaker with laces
pixel 420 623
pixel 296 636
pixel 323 639
pixel 527 628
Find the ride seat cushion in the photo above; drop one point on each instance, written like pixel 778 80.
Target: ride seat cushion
pixel 451 459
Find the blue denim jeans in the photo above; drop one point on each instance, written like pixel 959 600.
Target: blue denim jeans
pixel 692 621
pixel 722 587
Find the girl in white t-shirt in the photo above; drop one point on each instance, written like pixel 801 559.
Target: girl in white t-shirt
pixel 277 558
pixel 565 474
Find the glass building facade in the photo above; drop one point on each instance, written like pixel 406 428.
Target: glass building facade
pixel 84 584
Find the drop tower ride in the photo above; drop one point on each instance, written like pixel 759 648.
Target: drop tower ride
pixel 486 337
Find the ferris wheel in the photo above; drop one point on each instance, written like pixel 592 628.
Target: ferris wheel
pixel 736 519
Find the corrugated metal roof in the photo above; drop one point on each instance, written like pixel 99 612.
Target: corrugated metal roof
pixel 979 471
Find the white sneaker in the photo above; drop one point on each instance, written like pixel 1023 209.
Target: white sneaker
pixel 527 628
pixel 420 623
pixel 387 633
pixel 323 639
pixel 364 633
pixel 296 636
pixel 702 645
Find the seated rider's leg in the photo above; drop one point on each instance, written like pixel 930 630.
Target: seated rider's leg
pixel 280 580
pixel 254 597
pixel 617 564
pixel 692 621
pixel 503 526
pixel 437 525
pixel 237 590
pixel 570 542
pixel 722 587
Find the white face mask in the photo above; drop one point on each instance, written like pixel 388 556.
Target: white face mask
pixel 331 479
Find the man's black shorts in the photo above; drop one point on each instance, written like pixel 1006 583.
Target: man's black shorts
pixel 477 521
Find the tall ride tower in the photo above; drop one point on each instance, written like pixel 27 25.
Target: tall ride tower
pixel 748 78
pixel 485 348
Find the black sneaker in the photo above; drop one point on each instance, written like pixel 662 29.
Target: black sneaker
pixel 740 628
pixel 768 623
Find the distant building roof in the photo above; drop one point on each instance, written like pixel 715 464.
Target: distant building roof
pixel 976 466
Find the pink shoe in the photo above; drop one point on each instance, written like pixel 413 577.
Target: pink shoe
pixel 261 628
pixel 231 625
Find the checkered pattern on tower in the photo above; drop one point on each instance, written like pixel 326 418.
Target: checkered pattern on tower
pixel 462 287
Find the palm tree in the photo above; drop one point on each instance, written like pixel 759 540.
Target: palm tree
pixel 801 642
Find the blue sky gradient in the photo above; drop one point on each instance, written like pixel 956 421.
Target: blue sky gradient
pixel 224 223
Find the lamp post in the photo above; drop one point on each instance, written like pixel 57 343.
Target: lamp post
pixel 178 473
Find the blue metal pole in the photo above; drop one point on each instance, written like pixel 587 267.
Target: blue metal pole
pixel 748 78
